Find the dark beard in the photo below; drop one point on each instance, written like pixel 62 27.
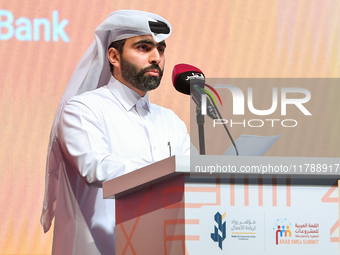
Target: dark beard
pixel 139 80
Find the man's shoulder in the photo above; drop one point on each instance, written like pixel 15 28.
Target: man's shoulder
pixel 164 112
pixel 88 96
pixel 90 101
pixel 162 109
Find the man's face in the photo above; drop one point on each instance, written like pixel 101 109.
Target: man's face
pixel 142 62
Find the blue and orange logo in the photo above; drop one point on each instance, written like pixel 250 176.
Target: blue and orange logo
pixel 220 231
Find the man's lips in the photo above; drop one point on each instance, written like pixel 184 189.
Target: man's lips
pixel 153 72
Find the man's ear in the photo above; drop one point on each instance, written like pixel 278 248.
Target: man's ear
pixel 114 57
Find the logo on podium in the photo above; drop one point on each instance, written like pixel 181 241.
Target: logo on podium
pixel 219 233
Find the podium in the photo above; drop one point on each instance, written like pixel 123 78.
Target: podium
pixel 201 205
pixel 150 206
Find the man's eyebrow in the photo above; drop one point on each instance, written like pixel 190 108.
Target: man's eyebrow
pixel 149 42
pixel 162 43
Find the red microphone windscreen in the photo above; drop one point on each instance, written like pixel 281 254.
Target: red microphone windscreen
pixel 183 74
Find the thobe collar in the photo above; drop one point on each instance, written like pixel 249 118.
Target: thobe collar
pixel 126 96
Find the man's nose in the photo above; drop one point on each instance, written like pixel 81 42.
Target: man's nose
pixel 155 57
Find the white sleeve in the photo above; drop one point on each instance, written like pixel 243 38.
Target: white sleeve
pixel 85 145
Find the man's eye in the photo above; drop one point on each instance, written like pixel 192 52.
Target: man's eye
pixel 161 49
pixel 143 47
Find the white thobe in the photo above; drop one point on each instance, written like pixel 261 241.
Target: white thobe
pixel 103 134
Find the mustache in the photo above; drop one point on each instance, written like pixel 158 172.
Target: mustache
pixel 153 66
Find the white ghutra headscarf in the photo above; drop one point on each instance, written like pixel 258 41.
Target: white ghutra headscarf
pixel 92 72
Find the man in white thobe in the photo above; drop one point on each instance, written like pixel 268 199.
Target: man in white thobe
pixel 110 130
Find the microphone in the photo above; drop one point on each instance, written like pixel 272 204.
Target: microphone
pixel 189 80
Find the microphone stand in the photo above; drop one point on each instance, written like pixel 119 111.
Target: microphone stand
pixel 200 124
pixel 225 127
